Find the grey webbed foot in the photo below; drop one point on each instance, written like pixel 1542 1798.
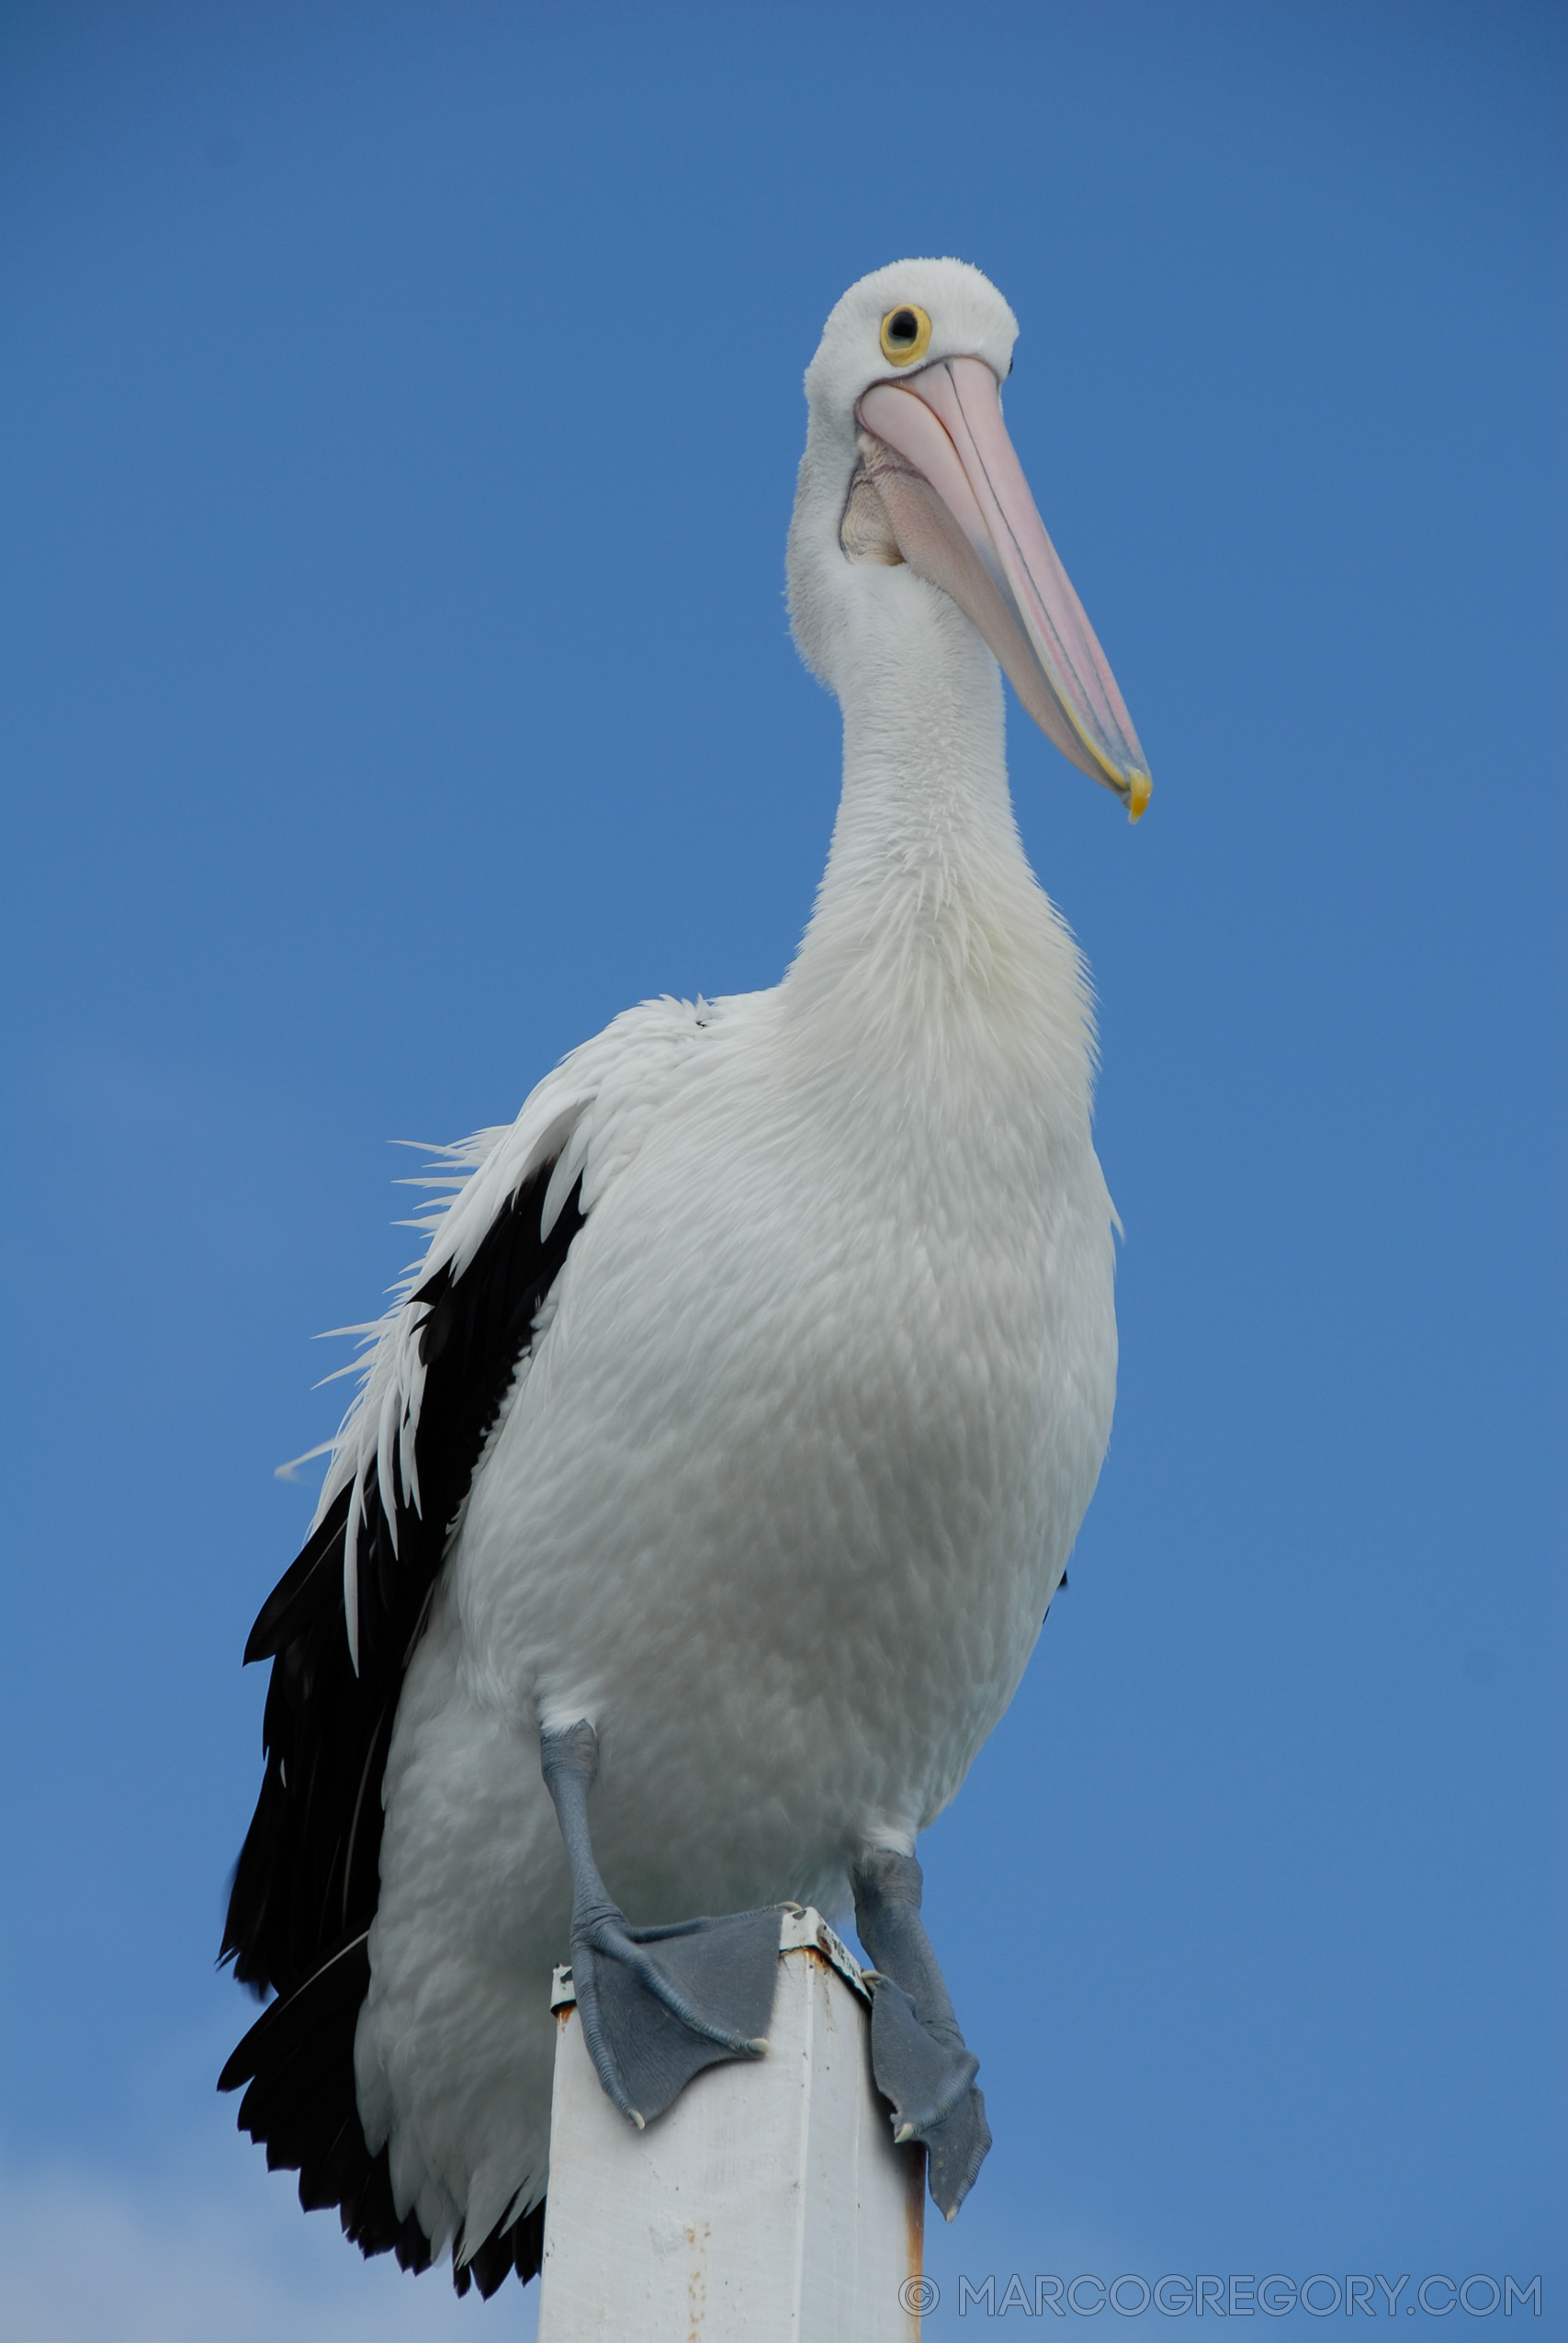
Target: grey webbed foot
pixel 657 2005
pixel 651 2020
pixel 917 2054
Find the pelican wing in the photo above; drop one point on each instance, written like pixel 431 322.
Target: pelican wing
pixel 341 1625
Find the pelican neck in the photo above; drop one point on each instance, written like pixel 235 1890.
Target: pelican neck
pixel 926 864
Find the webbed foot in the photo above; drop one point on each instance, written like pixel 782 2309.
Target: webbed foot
pixel 657 2005
pixel 651 2020
pixel 917 2054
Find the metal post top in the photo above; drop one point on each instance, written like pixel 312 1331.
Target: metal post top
pixel 801 1929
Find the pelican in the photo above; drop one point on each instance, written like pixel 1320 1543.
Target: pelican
pixel 710 1477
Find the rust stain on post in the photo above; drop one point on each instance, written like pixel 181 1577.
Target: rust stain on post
pixel 697 2280
pixel 915 2225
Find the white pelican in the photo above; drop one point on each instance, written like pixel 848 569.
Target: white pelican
pixel 725 1450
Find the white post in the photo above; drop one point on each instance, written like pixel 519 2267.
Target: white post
pixel 770 2203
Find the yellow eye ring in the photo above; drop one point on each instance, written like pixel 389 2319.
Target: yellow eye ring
pixel 906 333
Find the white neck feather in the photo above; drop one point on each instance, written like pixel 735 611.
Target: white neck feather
pixel 930 930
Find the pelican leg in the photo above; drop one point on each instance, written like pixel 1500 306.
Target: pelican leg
pixel 917 2054
pixel 651 2020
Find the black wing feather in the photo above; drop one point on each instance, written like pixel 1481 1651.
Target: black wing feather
pixel 306 1885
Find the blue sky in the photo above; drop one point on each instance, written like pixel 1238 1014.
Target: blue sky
pixel 400 406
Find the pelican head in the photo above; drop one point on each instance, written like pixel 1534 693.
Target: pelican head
pixel 909 468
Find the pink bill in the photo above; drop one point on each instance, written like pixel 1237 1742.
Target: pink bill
pixel 946 422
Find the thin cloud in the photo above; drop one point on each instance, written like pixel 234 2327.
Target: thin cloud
pixel 87 2256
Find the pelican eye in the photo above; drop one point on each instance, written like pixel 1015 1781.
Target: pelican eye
pixel 906 333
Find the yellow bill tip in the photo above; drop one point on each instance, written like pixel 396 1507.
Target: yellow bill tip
pixel 1138 788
